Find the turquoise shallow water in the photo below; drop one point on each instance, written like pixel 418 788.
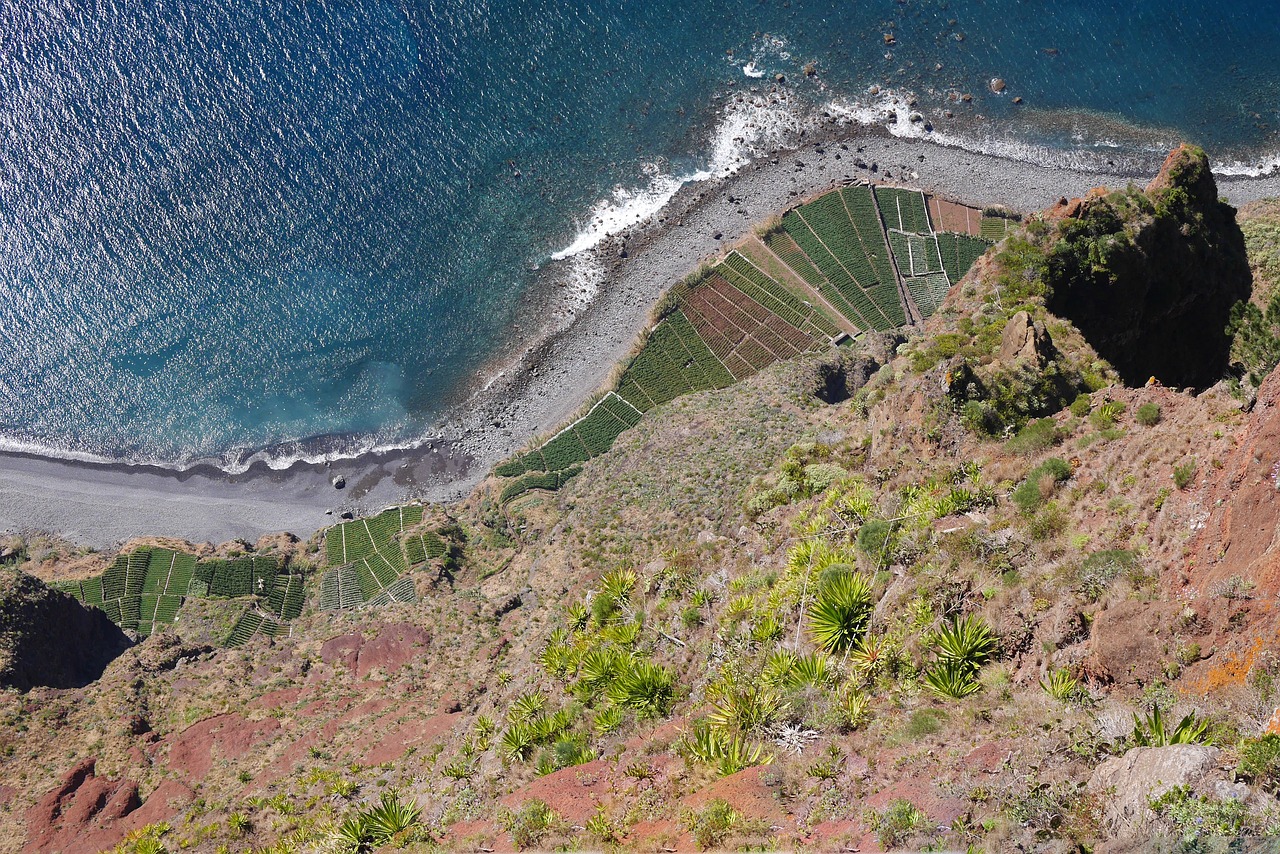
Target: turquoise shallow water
pixel 225 227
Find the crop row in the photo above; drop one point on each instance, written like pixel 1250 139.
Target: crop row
pixel 851 291
pixel 994 228
pixel 419 548
pixel 340 588
pixel 738 270
pixel 903 209
pixel 674 361
pixel 720 337
pixel 917 255
pixel 959 252
pixel 551 481
pixel 401 591
pixel 781 244
pixel 245 628
pixel 286 599
pixel 866 222
pixel 929 291
pixel 359 539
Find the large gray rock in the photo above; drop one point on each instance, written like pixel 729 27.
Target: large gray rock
pixel 1128 783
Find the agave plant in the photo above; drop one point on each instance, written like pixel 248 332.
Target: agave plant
pixel 777 667
pixel 854 708
pixel 969 641
pixel 391 822
pixel 871 654
pixel 624 634
pixel 557 659
pixel 743 710
pixel 1060 685
pixel 841 613
pixel 545 727
pixel 1151 730
pixel 811 669
pixel 951 678
pixel 766 629
pixel 352 836
pixel 526 706
pixel 730 754
pixel 579 616
pixel 608 720
pixel 618 584
pixel 517 742
pixel 646 687
pixel 599 667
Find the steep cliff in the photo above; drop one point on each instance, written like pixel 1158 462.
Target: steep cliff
pixel 1150 276
pixel 48 638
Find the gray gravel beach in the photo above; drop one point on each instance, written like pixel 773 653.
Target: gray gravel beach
pixel 538 389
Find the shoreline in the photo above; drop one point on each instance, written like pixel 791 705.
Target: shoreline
pixel 531 391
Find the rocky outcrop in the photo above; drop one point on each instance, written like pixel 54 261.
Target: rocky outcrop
pixel 1241 537
pixel 1150 276
pixel 85 812
pixel 1024 340
pixel 49 639
pixel 1129 782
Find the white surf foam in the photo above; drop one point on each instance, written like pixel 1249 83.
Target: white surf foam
pixel 750 70
pixel 746 130
pixel 892 110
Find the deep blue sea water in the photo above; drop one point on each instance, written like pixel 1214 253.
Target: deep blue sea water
pixel 227 225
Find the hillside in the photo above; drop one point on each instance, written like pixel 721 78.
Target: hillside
pixel 955 585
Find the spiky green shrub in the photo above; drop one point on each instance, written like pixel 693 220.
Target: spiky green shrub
pixel 1061 685
pixel 1151 730
pixel 841 612
pixel 517 742
pixel 608 720
pixel 393 822
pixel 968 641
pixel 811 669
pixel 526 706
pixel 645 687
pixel 951 679
pixel 728 753
pixel 745 709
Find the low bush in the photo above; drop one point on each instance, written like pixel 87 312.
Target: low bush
pixel 1148 414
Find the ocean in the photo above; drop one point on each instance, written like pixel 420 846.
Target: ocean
pixel 234 230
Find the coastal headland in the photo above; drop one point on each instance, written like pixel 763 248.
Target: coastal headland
pixel 529 392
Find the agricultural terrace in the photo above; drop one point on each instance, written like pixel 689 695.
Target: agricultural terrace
pixel 370 559
pixel 855 259
pixel 146 588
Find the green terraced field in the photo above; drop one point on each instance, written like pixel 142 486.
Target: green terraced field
pixel 903 210
pixel 145 589
pixel 367 560
pixel 846 255
pixel 959 252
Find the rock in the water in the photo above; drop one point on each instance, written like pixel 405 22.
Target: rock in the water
pixel 997 85
pixel 1132 780
pixel 338 481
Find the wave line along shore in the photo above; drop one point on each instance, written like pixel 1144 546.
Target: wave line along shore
pixel 101 505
